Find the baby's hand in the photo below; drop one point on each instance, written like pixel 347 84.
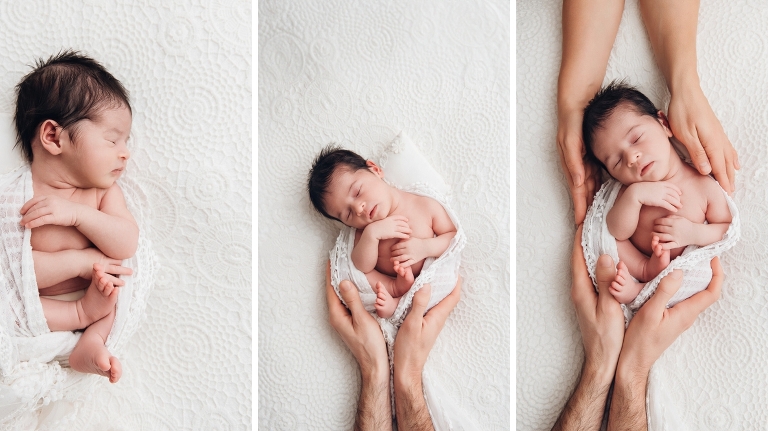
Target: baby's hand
pixel 86 258
pixel 408 251
pixel 674 231
pixel 395 226
pixel 658 194
pixel 53 210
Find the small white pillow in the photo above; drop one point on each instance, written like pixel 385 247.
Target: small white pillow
pixel 10 158
pixel 403 165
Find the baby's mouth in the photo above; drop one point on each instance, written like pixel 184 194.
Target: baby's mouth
pixel 372 213
pixel 646 168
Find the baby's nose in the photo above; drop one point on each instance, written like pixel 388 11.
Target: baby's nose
pixel 633 157
pixel 360 208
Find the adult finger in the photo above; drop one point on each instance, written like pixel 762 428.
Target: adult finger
pixel 420 301
pixel 582 292
pixel 605 273
pixel 717 159
pixel 571 158
pixel 440 312
pixel 336 309
pixel 688 310
pixel 668 286
pixel 697 153
pixel 351 297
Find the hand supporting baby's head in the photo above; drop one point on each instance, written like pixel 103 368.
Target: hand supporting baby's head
pixel 344 186
pixel 627 135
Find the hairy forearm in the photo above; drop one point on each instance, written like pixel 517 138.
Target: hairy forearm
pixel 584 410
pixel 366 253
pixel 589 30
pixel 671 28
pixel 410 406
pixel 54 268
pixel 114 236
pixel 622 218
pixel 374 408
pixel 628 400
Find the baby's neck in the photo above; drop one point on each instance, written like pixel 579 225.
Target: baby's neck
pixel 49 176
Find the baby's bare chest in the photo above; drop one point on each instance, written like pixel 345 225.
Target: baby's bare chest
pixel 52 238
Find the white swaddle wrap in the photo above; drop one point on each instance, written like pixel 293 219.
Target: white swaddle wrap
pixel 596 241
pixel 405 168
pixel 34 373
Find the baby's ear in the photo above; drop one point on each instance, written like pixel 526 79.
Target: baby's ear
pixel 373 167
pixel 50 136
pixel 664 123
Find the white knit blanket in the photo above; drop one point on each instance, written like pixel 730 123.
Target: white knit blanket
pixel 34 371
pixel 596 241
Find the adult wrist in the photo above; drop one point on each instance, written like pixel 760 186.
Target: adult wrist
pixel 599 374
pixel 684 82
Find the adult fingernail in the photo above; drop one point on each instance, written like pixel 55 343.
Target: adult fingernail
pixel 677 274
pixel 704 167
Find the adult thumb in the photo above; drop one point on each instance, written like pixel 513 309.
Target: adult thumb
pixel 668 286
pixel 605 273
pixel 421 300
pixel 351 297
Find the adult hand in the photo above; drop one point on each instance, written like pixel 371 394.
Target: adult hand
pixel 583 177
pixel 413 343
pixel 357 328
pixel 601 320
pixel 601 323
pixel 653 329
pixel 694 123
pixel 362 335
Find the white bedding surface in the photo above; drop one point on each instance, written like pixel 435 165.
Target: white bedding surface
pixel 718 366
pixel 357 74
pixel 187 66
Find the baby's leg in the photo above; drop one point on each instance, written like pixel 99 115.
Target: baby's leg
pixel 403 281
pixel 631 264
pixel 658 260
pixel 91 356
pixel 99 300
pixel 385 289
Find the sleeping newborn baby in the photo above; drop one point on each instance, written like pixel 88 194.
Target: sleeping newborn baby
pixel 395 230
pixel 664 204
pixel 73 119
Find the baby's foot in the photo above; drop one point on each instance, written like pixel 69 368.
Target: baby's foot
pixel 91 356
pixel 624 288
pixel 385 304
pixel 100 298
pixel 404 279
pixel 658 261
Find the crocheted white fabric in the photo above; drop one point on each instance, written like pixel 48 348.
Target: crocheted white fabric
pixel 596 241
pixel 34 371
pixel 441 273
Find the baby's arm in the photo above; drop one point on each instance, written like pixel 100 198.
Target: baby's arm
pixel 366 252
pixel 413 250
pixel 675 231
pixel 623 216
pixel 111 228
pixel 57 267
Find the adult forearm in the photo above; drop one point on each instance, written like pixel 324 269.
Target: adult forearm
pixel 410 406
pixel 628 401
pixel 589 30
pixel 671 28
pixel 374 408
pixel 114 236
pixel 584 410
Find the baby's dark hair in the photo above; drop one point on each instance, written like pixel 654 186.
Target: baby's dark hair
pixel 66 88
pixel 330 159
pixel 602 106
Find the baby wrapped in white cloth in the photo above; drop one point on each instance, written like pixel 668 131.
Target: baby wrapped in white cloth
pixel 656 205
